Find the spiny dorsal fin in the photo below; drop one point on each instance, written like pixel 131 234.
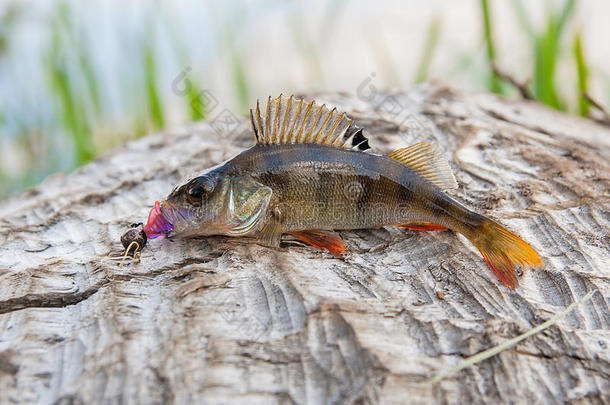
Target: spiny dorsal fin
pixel 427 161
pixel 289 120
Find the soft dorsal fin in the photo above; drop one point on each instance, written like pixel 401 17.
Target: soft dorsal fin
pixel 289 120
pixel 427 161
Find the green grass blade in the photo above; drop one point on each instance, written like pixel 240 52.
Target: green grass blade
pixel 193 102
pixel 307 48
pixel 89 74
pixel 73 115
pixel 547 54
pixel 432 37
pixel 583 73
pixel 5 184
pixel 524 19
pixel 493 81
pixel 150 76
pixel 564 17
pixel 195 106
pixel 241 82
pixel 74 118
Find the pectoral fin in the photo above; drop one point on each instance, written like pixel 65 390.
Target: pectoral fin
pixel 423 226
pixel 322 240
pixel 270 234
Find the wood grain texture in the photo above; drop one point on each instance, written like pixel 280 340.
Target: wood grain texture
pixel 220 321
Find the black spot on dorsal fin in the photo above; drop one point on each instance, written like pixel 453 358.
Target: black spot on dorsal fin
pixel 359 141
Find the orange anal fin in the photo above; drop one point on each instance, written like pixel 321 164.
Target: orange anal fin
pixel 423 226
pixel 322 240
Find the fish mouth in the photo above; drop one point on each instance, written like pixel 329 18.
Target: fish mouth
pixel 157 224
pixel 179 218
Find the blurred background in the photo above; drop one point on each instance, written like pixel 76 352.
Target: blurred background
pixel 78 78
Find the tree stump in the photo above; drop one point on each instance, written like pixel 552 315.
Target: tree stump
pixel 218 320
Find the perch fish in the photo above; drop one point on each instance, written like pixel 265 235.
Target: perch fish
pixel 311 172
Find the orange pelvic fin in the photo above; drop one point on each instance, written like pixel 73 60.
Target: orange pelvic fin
pixel 502 250
pixel 423 226
pixel 322 240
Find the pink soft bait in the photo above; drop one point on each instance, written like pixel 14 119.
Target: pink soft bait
pixel 156 225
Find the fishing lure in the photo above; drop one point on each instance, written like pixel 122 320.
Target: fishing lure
pixel 311 172
pixel 134 238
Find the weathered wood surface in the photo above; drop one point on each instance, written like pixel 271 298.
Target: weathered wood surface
pixel 219 321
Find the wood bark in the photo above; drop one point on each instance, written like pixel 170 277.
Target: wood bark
pixel 218 320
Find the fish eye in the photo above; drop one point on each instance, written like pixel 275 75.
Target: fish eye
pixel 199 187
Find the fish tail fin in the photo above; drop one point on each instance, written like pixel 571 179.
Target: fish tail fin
pixel 502 250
